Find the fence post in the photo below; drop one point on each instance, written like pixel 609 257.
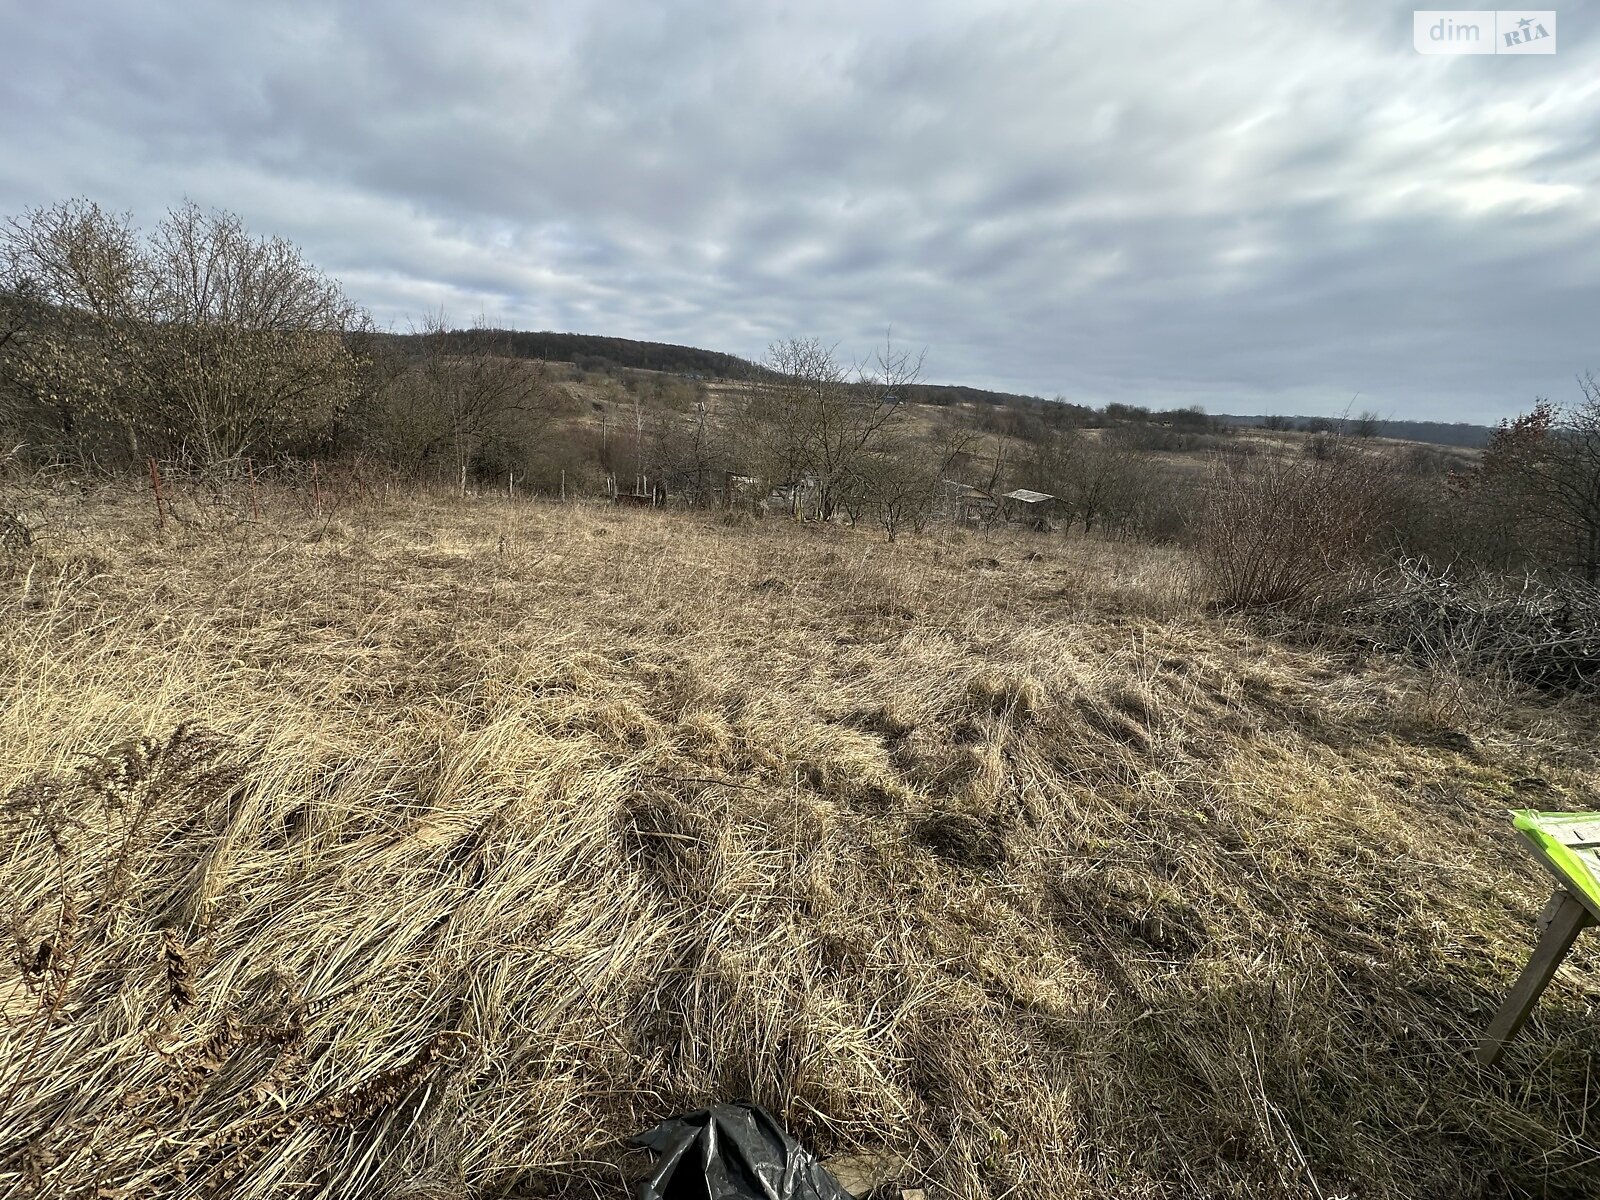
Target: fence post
pixel 316 488
pixel 250 473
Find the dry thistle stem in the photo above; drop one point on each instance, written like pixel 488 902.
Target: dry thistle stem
pixel 180 981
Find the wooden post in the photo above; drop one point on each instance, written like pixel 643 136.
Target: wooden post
pixel 316 488
pixel 563 485
pixel 250 473
pixel 155 490
pixel 1564 917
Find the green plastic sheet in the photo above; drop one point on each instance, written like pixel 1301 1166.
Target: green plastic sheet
pixel 1571 842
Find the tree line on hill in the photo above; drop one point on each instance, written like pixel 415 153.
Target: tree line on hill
pixel 609 355
pixel 1369 424
pixel 198 343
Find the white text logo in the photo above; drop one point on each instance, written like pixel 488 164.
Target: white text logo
pixel 1484 31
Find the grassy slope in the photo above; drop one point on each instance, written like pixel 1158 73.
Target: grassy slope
pixel 508 830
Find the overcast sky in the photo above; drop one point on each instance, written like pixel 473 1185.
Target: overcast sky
pixel 1255 207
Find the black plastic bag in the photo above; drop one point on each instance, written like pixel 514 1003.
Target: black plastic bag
pixel 732 1152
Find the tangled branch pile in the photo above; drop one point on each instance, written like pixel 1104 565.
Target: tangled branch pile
pixel 1537 634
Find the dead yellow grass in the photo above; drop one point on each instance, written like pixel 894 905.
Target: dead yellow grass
pixel 467 838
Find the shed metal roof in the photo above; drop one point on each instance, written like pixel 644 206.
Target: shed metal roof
pixel 1024 496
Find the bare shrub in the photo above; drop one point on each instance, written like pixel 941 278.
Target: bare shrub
pixel 1165 503
pixel 197 341
pixel 1286 532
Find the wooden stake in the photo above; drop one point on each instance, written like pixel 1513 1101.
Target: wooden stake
pixel 250 473
pixel 1563 919
pixel 316 488
pixel 155 490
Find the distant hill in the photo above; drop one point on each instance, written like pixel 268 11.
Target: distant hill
pixel 593 352
pixel 1437 433
pixel 608 353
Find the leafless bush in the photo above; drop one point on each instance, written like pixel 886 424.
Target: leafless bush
pixel 1165 504
pixel 197 341
pixel 1534 633
pixel 1286 532
pixel 900 486
pixel 460 404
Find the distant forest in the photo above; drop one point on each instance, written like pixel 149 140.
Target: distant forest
pixel 1437 433
pixel 594 353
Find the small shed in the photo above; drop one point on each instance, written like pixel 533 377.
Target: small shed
pixel 738 488
pixel 967 505
pixel 1034 508
pixel 644 494
pixel 799 496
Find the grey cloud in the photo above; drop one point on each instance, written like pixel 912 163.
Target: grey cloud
pixel 1255 206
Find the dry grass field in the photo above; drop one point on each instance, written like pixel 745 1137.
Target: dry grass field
pixel 431 849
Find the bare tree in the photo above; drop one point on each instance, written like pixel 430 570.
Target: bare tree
pixel 1049 463
pixel 900 483
pixel 78 295
pixel 1102 477
pixel 688 453
pixel 460 395
pixel 954 447
pixel 248 345
pixel 821 418
pixel 1093 474
pixel 1543 468
pixel 18 310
